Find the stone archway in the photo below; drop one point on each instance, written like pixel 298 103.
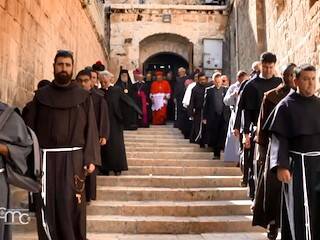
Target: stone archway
pixel 168 43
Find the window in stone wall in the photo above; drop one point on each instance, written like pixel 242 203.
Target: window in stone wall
pixel 312 2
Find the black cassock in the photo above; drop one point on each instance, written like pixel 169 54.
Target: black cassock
pixel 217 115
pixel 196 112
pixel 295 145
pixel 64 120
pixel 102 117
pixel 178 94
pixel 130 117
pixel 114 154
pixel 141 92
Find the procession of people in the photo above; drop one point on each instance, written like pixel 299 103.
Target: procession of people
pixel 266 124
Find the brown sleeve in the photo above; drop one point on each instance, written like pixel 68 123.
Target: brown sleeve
pixel 263 135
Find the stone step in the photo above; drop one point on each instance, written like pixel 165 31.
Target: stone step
pixel 169 194
pixel 153 136
pixel 183 171
pixel 169 181
pixel 161 145
pixel 179 163
pixel 178 209
pixel 152 133
pixel 167 126
pixel 164 149
pixel 171 155
pixel 168 225
pixel 155 140
pixel 205 236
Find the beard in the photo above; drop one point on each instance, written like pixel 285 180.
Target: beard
pixel 62 78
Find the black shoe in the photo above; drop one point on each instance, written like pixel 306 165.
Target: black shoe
pixel 243 184
pixel 273 232
pixel 117 173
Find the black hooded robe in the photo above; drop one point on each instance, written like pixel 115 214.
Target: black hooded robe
pixel 102 116
pixel 268 194
pixel 292 136
pixel 114 154
pixel 130 117
pixel 251 99
pixel 63 119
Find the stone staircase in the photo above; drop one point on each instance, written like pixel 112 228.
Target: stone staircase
pixel 173 190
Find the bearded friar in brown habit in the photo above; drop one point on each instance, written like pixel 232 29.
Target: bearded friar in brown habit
pixel 62 115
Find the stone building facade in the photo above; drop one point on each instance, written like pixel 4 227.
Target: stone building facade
pixel 32 31
pixel 289 28
pixel 139 31
pixel 293 31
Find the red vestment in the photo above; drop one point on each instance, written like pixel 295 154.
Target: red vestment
pixel 160 93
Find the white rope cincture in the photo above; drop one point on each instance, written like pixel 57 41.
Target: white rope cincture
pixel 44 182
pixel 305 193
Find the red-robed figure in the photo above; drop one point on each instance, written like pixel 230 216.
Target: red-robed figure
pixel 159 95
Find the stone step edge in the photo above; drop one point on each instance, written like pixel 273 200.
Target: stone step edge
pixel 168 177
pixel 218 203
pixel 144 189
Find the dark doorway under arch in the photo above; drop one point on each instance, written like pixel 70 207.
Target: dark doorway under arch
pixel 166 61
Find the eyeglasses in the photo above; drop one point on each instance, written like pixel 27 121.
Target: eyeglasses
pixel 65 52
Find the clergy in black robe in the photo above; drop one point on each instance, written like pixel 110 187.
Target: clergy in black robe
pixel 130 117
pixel 268 194
pixel 102 117
pixel 251 100
pixel 216 115
pixel 178 93
pixel 295 156
pixel 141 92
pixel 113 154
pixel 62 116
pixel 15 146
pixel 171 78
pixel 195 109
pixel 148 83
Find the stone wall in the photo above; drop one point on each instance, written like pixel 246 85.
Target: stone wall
pixel 245 34
pixel 31 31
pixel 130 26
pixel 289 28
pixel 293 31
